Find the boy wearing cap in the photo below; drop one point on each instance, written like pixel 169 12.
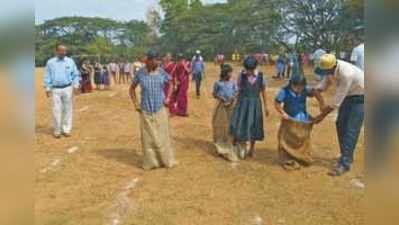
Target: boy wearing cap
pixel 349 100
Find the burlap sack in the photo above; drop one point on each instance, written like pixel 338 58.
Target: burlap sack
pixel 221 136
pixel 294 141
pixel 156 140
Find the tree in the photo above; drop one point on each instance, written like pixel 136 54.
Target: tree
pixel 91 36
pixel 311 24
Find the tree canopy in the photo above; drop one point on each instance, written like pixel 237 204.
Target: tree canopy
pixel 246 26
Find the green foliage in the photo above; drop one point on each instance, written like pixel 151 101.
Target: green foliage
pixel 246 26
pixel 91 36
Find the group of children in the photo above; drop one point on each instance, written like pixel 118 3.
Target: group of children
pixel 238 116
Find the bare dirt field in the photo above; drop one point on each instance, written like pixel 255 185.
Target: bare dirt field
pixel 94 177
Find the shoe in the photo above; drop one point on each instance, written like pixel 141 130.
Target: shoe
pixel 66 135
pixel 338 171
pixel 57 136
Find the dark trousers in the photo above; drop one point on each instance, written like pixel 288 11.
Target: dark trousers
pixel 198 79
pixel 349 124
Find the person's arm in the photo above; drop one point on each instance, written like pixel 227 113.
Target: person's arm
pixel 316 94
pixel 279 108
pixel 214 93
pixel 187 67
pixel 133 96
pixel 278 104
pixel 341 92
pixel 48 84
pixel 169 92
pixel 76 77
pixel 132 93
pixel 264 96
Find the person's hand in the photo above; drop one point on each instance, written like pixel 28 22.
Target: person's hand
pixel 48 94
pixel 228 103
pixel 76 91
pixel 167 101
pixel 285 116
pixel 137 107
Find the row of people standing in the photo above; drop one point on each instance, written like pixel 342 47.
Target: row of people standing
pixel 103 76
pixel 289 64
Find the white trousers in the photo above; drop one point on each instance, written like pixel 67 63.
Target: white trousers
pixel 62 110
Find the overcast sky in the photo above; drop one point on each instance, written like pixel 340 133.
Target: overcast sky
pixel 123 10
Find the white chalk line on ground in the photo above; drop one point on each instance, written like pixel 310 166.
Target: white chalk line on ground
pixel 357 183
pixel 122 204
pixel 54 164
pixel 83 109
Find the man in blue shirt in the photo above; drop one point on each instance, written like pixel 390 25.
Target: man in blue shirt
pixel 61 80
pixel 198 68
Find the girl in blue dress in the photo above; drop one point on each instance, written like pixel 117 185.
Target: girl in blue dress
pixel 247 121
pixel 296 124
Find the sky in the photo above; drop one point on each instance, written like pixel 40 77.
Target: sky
pixel 122 10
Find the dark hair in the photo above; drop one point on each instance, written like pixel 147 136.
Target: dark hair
pixel 152 54
pixel 180 56
pixel 225 69
pixel 250 63
pixel 298 80
pixel 58 45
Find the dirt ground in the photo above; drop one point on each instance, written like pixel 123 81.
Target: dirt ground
pixel 94 177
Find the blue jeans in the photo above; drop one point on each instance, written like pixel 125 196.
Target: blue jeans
pixel 198 79
pixel 349 124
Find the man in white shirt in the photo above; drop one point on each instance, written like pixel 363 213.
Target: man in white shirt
pixel 62 81
pixel 357 57
pixel 349 100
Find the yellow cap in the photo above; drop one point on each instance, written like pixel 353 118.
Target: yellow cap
pixel 327 61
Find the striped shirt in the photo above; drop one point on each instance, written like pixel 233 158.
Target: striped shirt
pixel 152 89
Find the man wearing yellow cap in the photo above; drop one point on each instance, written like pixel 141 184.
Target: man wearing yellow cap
pixel 349 100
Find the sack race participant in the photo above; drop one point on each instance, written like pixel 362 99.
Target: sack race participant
pixel 225 92
pixel 294 140
pixel 154 119
pixel 247 120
